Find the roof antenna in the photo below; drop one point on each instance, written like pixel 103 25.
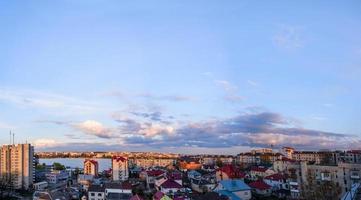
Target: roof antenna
pixel 13 138
pixel 10 138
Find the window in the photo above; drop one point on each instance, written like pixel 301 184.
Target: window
pixel 99 194
pixel 92 194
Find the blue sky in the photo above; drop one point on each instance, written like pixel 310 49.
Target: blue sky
pixel 180 76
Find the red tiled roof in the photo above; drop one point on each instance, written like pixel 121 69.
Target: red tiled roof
pixel 158 195
pixel 170 184
pixel 232 171
pixel 92 161
pixel 276 177
pixel 119 158
pixel 175 176
pixel 258 169
pixel 260 185
pixel 155 172
pixel 124 185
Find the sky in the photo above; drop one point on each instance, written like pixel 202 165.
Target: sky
pixel 180 76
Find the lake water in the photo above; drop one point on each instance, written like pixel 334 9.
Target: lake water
pixel 104 163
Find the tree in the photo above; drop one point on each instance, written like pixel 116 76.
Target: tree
pixel 219 163
pixel 58 166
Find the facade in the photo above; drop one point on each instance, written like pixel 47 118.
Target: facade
pixel 288 152
pixel 187 163
pixel 260 172
pixel 317 157
pixel 150 162
pixel 91 167
pixel 229 172
pixel 96 192
pixel 261 188
pixel 57 177
pixel 17 165
pixel 118 191
pixel 120 168
pixel 303 175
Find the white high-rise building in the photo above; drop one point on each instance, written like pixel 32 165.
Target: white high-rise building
pixel 17 165
pixel 120 168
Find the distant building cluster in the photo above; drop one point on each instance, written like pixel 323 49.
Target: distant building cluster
pixel 260 174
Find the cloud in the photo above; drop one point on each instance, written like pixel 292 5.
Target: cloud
pixel 288 37
pixel 252 83
pixel 226 85
pixel 95 128
pixel 231 93
pixel 171 98
pixel 254 130
pixel 46 143
pixel 251 129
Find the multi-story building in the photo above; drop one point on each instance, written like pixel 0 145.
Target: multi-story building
pixel 318 157
pixel 120 168
pixel 151 162
pixel 302 175
pixel 288 152
pixel 352 156
pixel 91 167
pixel 17 165
pixel 264 150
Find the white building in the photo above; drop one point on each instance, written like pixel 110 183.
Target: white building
pixel 17 164
pixel 96 192
pixel 56 177
pixel 120 168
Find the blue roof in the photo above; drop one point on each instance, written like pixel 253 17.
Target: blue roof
pixel 230 195
pixel 194 173
pixel 234 185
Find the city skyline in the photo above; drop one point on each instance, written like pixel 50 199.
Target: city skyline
pixel 199 77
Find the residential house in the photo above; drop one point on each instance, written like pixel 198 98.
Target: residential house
pixel 233 188
pixel 170 187
pixel 118 191
pixel 261 188
pixel 277 181
pixel 260 172
pixel 202 185
pixel 96 192
pixel 229 172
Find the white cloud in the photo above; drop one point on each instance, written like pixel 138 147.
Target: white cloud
pixel 226 85
pixel 95 128
pixel 46 143
pixel 252 83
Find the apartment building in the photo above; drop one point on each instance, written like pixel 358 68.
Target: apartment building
pixel 303 175
pixel 151 162
pixel 91 167
pixel 120 168
pixel 17 165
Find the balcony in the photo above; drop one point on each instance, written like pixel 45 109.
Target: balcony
pixel 295 190
pixel 355 176
pixel 293 183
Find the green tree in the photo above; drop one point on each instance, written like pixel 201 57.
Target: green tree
pixel 58 166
